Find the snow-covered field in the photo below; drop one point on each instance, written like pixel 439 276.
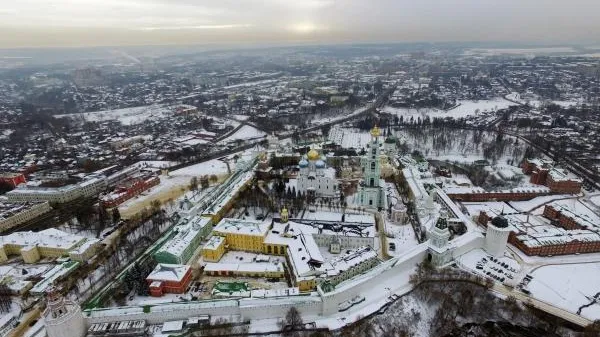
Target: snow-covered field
pixel 536 102
pixel 530 205
pixel 349 138
pixel 213 166
pixel 568 286
pixel 464 109
pixel 174 185
pixel 244 133
pixel 595 200
pixel 127 116
pixel 519 51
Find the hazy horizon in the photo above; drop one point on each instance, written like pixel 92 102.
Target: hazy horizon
pixel 89 23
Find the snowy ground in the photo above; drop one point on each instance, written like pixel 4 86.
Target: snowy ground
pixel 595 200
pixel 530 205
pixel 173 186
pixel 214 166
pixel 464 109
pixel 246 132
pixel 568 286
pixel 127 116
pixel 461 146
pixel 403 237
pixel 519 51
pixel 536 102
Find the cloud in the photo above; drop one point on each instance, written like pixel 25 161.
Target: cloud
pixel 200 27
pixel 122 21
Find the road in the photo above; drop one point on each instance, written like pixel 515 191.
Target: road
pixel 370 108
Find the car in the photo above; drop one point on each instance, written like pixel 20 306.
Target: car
pixel 479 267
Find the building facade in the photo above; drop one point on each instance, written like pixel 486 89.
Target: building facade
pixel 49 243
pixel 14 214
pixel 214 249
pixel 558 180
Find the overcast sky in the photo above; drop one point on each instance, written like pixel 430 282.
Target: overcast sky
pixel 41 23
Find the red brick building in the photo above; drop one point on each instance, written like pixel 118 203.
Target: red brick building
pixel 543 173
pixel 129 189
pixel 495 196
pixel 559 182
pixel 587 243
pixel 564 220
pixel 12 179
pixel 563 240
pixel 169 278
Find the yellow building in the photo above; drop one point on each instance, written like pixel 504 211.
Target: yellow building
pixel 13 214
pixel 30 254
pixel 242 235
pixel 214 249
pixel 301 251
pixel 306 284
pixel 32 246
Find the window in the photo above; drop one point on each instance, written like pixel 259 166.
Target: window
pixel 370 202
pixel 372 182
pixel 372 166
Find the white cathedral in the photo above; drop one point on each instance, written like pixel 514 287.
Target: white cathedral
pixel 315 177
pixel 371 188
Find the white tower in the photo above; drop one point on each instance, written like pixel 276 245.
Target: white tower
pixel 439 251
pixel 370 190
pixel 496 236
pixel 62 317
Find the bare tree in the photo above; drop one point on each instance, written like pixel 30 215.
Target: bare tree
pixel 5 300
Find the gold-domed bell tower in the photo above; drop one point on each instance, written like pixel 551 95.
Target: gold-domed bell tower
pixel 370 192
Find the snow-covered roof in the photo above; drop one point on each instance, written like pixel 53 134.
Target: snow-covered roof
pixel 186 234
pixel 50 238
pixel 244 267
pixel 168 272
pixel 214 242
pixel 246 227
pixel 349 260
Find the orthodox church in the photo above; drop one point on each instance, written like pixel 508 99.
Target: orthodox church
pixel 315 177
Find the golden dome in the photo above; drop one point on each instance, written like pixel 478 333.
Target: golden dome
pixel 375 132
pixel 312 155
